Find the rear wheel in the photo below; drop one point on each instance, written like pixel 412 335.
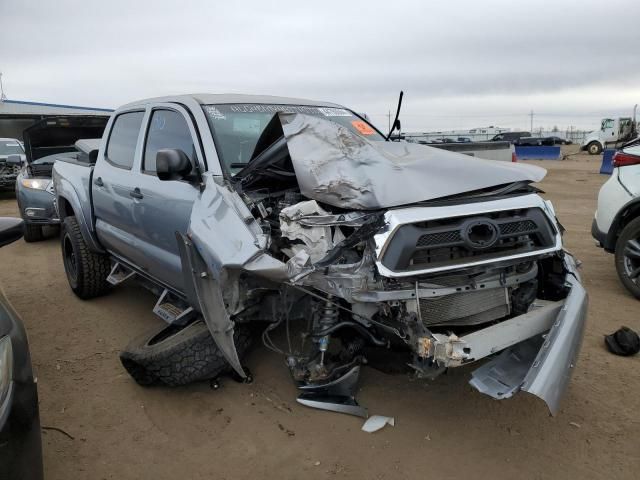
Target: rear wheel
pixel 594 148
pixel 627 256
pixel 32 233
pixel 175 355
pixel 87 271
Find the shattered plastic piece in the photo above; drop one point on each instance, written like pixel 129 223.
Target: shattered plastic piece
pixel 376 422
pixel 317 240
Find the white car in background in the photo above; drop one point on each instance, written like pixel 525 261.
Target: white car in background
pixel 616 225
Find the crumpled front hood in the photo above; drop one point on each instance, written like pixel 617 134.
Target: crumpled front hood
pixel 336 166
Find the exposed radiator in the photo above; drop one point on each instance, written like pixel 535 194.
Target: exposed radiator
pixel 465 308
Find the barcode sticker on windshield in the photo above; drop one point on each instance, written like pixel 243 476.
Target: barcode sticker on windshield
pixel 334 112
pixel 214 112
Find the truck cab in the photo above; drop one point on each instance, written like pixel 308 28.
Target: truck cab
pixel 612 131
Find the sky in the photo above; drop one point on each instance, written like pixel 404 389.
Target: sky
pixel 461 64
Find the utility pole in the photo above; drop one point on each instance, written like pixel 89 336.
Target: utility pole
pixel 531 128
pixel 3 97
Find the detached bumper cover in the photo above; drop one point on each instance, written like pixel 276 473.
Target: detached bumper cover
pixel 541 365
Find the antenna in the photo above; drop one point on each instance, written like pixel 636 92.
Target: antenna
pixel 3 97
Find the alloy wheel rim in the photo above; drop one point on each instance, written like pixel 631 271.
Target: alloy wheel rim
pixel 70 258
pixel 632 259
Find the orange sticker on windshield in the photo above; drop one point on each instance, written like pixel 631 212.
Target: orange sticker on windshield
pixel 363 127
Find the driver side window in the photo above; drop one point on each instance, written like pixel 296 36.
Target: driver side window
pixel 607 123
pixel 167 129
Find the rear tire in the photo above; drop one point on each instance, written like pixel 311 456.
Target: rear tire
pixel 87 271
pixel 32 233
pixel 627 257
pixel 174 355
pixel 594 148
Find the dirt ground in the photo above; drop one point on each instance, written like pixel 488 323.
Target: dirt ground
pixel 444 429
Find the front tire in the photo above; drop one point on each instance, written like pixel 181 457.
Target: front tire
pixel 86 271
pixel 175 355
pixel 594 148
pixel 32 233
pixel 627 257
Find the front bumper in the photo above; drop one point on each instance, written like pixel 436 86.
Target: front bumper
pixel 541 365
pixel 598 234
pixel 37 206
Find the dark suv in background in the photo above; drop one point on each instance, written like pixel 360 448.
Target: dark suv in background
pixel 512 137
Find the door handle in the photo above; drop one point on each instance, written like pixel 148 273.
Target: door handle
pixel 135 193
pixel 98 181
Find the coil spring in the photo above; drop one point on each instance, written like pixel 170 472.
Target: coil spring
pixel 328 314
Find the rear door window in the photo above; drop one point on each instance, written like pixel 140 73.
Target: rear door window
pixel 123 139
pixel 167 129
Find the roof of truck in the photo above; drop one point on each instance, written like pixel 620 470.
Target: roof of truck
pixel 209 98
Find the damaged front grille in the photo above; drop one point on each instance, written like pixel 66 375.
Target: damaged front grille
pixel 465 308
pixel 8 171
pixel 450 242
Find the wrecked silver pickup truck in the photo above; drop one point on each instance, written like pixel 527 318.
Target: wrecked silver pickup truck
pixel 300 219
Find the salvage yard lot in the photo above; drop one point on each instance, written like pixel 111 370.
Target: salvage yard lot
pixel 444 429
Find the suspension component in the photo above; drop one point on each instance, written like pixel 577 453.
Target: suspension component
pixel 327 316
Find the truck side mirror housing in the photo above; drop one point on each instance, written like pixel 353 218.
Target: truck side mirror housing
pixel 172 164
pixel 14 160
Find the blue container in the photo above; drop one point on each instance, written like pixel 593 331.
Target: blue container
pixel 538 153
pixel 607 161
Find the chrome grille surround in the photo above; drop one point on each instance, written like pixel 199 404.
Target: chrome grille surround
pixel 397 218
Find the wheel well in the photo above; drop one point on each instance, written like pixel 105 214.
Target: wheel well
pixel 629 213
pixel 64 208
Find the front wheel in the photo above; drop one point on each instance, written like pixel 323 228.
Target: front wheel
pixel 594 148
pixel 627 256
pixel 87 271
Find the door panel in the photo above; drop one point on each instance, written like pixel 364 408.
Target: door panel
pixel 114 178
pixel 166 205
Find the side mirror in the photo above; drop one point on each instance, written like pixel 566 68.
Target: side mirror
pixel 172 164
pixel 14 160
pixel 11 229
pixel 397 125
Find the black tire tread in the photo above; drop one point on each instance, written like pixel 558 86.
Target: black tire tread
pixel 93 268
pixel 589 148
pixel 188 356
pixel 32 233
pixel 632 229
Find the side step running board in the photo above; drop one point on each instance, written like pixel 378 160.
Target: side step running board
pixel 119 273
pixel 172 309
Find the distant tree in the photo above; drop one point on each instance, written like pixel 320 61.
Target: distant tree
pixel 555 129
